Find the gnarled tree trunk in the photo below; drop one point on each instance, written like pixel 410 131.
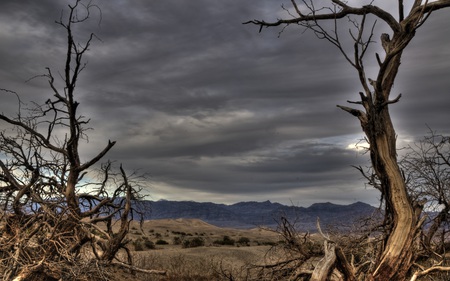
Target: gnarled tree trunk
pixel 397 256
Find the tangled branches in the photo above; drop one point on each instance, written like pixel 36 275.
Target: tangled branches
pixel 61 218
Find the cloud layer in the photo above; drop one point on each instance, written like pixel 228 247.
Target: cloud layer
pixel 214 110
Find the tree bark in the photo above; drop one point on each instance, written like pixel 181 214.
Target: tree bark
pixel 395 260
pixel 401 218
pixel 396 257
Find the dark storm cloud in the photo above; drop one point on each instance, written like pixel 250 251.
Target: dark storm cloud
pixel 422 80
pixel 258 173
pixel 212 109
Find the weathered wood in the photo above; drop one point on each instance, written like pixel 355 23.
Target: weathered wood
pixel 428 271
pixel 325 266
pixel 147 271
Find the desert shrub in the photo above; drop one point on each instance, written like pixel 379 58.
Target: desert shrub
pixel 226 240
pixel 149 244
pixel 194 242
pixel 161 242
pixel 197 242
pixel 142 244
pixel 138 245
pixel 177 240
pixel 186 244
pixel 244 241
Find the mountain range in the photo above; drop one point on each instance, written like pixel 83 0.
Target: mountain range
pixel 254 214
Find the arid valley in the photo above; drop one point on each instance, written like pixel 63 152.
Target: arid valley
pixel 246 248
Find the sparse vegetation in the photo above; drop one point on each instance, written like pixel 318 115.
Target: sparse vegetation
pixel 244 241
pixel 226 240
pixel 193 242
pixel 206 263
pixel 177 240
pixel 138 245
pixel 161 242
pixel 142 244
pixel 148 243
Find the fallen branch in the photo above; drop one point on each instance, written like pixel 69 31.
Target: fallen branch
pixel 147 271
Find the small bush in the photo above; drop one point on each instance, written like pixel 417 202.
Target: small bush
pixel 149 244
pixel 161 242
pixel 142 244
pixel 177 240
pixel 138 245
pixel 226 240
pixel 244 241
pixel 194 242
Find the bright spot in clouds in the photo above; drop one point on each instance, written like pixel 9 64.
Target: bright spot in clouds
pixel 359 146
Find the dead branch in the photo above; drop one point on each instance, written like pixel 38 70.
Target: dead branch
pixel 133 268
pixel 429 271
pixel 324 267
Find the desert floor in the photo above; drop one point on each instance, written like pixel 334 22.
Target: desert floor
pixel 198 263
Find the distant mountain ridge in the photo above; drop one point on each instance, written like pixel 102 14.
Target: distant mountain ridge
pixel 252 214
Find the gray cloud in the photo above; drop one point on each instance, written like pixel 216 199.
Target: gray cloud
pixel 214 110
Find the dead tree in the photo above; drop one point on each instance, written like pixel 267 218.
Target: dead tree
pixel 61 217
pixel 426 165
pixel 403 222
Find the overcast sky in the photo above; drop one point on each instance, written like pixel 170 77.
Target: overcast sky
pixel 214 110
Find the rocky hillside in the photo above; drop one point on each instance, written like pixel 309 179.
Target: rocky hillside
pixel 251 214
